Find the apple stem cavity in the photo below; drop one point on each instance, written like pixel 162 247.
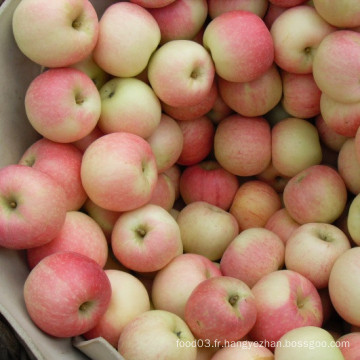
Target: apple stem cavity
pixel 83 308
pixel 76 24
pixel 79 99
pixel 233 299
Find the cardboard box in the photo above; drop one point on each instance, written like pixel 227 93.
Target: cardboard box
pixel 16 134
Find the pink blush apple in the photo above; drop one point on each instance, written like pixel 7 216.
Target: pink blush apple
pixel 66 294
pixel 221 309
pixel 235 39
pixel 32 207
pixel 72 107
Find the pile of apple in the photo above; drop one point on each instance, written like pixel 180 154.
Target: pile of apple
pixel 194 193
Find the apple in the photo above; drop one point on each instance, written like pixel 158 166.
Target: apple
pixel 297 34
pixel 253 98
pixel 93 70
pixel 195 111
pixel 129 298
pixel 343 118
pixel 328 136
pixel 106 219
pixel 348 166
pixel 349 345
pixel 130 105
pixel 316 194
pixel 146 239
pixel 335 66
pixel 342 14
pixel 253 204
pixel 221 309
pixel 282 224
pixel 84 142
pixel 308 342
pixel 164 192
pixel 252 136
pixel 272 13
pixel 63 163
pixel 81 234
pixel 312 249
pixel 287 3
pixel 219 111
pixel 234 39
pixel 174 283
pixel 181 19
pixel 55 33
pixel 116 52
pixel 152 3
pixel 166 143
pixel 155 334
pixel 295 146
pixel 258 7
pixel 274 178
pixel 174 173
pixel 66 294
pixel 208 181
pixel 198 136
pixel 245 350
pixel 63 104
pixel 353 219
pixel 285 300
pixel 32 207
pixel 119 158
pixel 254 253
pixel 181 73
pixel 301 95
pixel 206 229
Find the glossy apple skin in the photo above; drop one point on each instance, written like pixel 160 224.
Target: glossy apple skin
pixel 119 158
pixel 208 181
pixel 234 39
pixel 316 194
pixel 295 303
pixel 81 234
pixel 74 31
pixel 146 239
pixel 174 283
pixel 129 298
pixel 115 50
pixel 32 207
pixel 252 136
pixel 312 249
pixel 221 309
pixel 155 334
pixel 66 294
pixel 252 254
pixel 63 163
pixel 72 107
